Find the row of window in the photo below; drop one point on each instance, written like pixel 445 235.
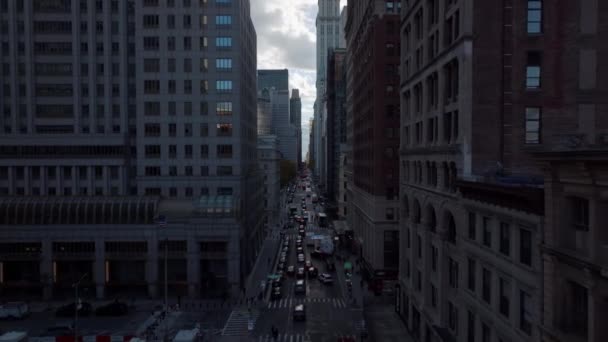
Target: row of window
pixel 186 3
pixel 154 130
pixel 153 87
pixel 67 172
pixel 187 192
pixel 222 108
pixel 105 191
pixel 152 171
pixel 223 151
pixel 152 43
pixel 152 65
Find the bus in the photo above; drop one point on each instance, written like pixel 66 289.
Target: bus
pixel 322 220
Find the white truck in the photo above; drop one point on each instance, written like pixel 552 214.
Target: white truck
pixel 14 336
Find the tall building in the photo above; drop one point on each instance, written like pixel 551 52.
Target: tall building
pixel 295 117
pixel 270 159
pixel 335 95
pixel 372 62
pixel 328 37
pixel 277 82
pixel 498 101
pixel 118 113
pixel 264 112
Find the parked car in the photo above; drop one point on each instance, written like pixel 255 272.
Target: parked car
pixel 115 308
pixel 326 278
pixel 69 310
pixel 291 270
pixel 299 313
pixel 14 310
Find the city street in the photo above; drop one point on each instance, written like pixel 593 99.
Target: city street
pixel 329 313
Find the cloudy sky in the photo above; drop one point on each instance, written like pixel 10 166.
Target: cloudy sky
pixel 286 39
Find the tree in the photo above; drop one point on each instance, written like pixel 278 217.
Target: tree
pixel 288 171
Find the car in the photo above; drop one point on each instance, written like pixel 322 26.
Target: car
pixel 312 272
pixel 316 253
pixel 69 310
pixel 308 263
pixel 302 232
pixel 280 274
pixel 300 273
pixel 285 250
pixel 276 283
pixel 283 259
pixel 61 329
pixel 300 250
pixel 301 258
pixel 291 270
pixel 299 313
pixel 115 308
pixel 300 287
pixel 276 293
pixel 281 266
pixel 326 278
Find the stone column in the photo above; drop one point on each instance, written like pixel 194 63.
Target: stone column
pixel 194 268
pixel 152 267
pixel 99 269
pixel 46 269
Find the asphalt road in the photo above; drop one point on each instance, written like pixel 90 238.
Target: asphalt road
pixel 329 315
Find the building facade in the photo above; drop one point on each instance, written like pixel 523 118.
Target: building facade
pixel 109 99
pixel 480 181
pixel 295 117
pixel 264 112
pixel 277 82
pixel 270 158
pixel 372 60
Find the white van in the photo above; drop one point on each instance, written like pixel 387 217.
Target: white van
pixel 14 310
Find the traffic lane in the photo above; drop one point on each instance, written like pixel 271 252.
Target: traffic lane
pixel 317 288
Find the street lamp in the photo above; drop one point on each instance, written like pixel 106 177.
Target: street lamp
pixel 77 306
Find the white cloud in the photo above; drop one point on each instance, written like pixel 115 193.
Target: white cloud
pixel 287 39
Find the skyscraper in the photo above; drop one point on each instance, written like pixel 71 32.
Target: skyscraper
pixel 295 117
pixel 120 112
pixel 328 37
pixel 277 82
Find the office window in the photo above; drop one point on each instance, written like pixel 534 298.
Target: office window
pixel 204 154
pixel 487 233
pixel 171 21
pixel 533 70
pixel 452 316
pixel 187 129
pixel 504 290
pixel 151 87
pixel 187 21
pixel 203 21
pixel 505 238
pixel 172 108
pixel 223 64
pixel 171 65
pixel 486 334
pixel 150 21
pixel 204 108
pixel 187 86
pixel 525 247
pixel 453 273
pixel 204 130
pixel 579 213
pixel 187 65
pixel 470 326
pixel 223 86
pixel 224 171
pixel 171 86
pixel 224 108
pixel 525 312
pixel 223 42
pixel 188 151
pixel 224 129
pixel 151 43
pixel 472 269
pixel 172 130
pixel 171 43
pixel 203 43
pixel 224 151
pixel 577 317
pixel 204 87
pixel 533 125
pixel 187 43
pixel 204 65
pixel 486 285
pixel 187 108
pixel 223 20
pixel 535 16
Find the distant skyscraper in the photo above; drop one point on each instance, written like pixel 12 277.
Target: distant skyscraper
pixel 295 116
pixel 264 112
pixel 328 37
pixel 277 82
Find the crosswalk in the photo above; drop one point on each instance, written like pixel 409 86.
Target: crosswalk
pixel 290 302
pixel 285 338
pixel 237 323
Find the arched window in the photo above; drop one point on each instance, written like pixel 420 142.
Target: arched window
pixel 416 212
pixel 450 227
pixel 431 218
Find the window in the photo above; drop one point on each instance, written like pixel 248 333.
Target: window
pixel 151 43
pixel 579 208
pixel 224 151
pixel 151 86
pixel 525 312
pixel 452 316
pixel 204 155
pixel 224 171
pixel 150 21
pixel 171 86
pixel 533 70
pixel 204 65
pixel 187 65
pixel 202 21
pixel 188 130
pixel 204 130
pixel 470 326
pixel 224 108
pixel 433 296
pixel 224 129
pixel 223 86
pixel 486 334
pixel 525 247
pixel 434 255
pixel 535 16
pixel 505 238
pixel 223 20
pixel 187 86
pixel 170 21
pixel 171 43
pixel 223 64
pixel 204 87
pixel 171 65
pixel 578 309
pixel 223 42
pixel 203 43
pixel 390 214
pixel 486 285
pixel 172 108
pixel 172 151
pixel 487 233
pixel 187 43
pixel 172 130
pixel 472 225
pixel 453 273
pixel 204 108
pixel 504 289
pixel 533 118
pixel 187 21
pixel 187 108
pixel 188 151
pixel 471 272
